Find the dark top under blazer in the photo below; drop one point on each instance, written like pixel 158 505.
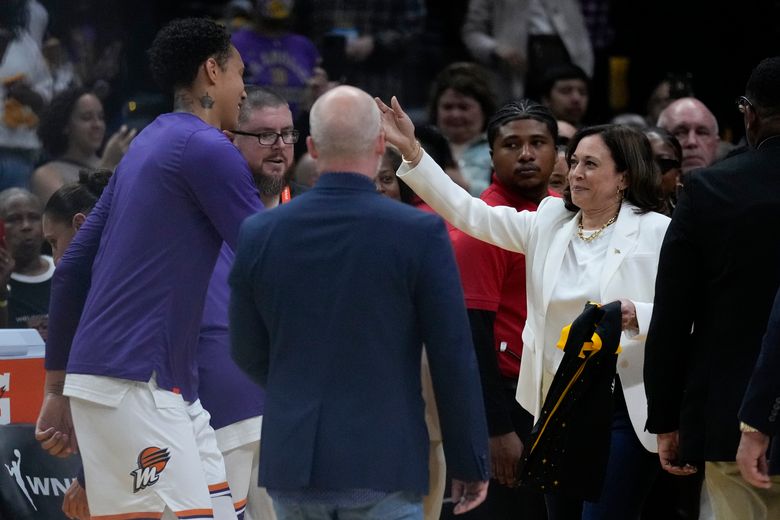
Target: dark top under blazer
pixel 333 296
pixel 718 273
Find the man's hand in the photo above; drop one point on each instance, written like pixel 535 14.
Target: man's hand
pixel 74 505
pixel 505 453
pixel 54 429
pixel 468 495
pixel 668 453
pixel 751 459
pixel 398 127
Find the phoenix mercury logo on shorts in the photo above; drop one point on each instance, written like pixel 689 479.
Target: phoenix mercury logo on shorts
pixel 151 462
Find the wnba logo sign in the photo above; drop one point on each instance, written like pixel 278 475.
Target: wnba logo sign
pixel 151 462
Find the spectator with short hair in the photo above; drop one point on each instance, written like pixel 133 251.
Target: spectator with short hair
pixel 25 274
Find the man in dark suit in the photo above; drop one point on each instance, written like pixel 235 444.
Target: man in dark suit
pixel 718 274
pixel 760 409
pixel 333 296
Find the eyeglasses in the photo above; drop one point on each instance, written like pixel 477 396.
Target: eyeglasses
pixel 270 138
pixel 743 103
pixel 667 164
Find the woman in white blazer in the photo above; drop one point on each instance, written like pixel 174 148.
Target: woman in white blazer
pixel 600 243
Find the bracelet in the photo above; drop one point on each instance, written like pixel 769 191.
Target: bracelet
pixel 744 427
pixel 416 154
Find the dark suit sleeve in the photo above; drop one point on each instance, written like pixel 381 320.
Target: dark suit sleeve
pixel 668 345
pixel 441 315
pixel 497 410
pixel 249 338
pixel 761 404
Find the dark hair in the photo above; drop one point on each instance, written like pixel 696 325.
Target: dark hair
pixel 763 87
pixel 680 85
pixel 394 156
pixel 468 79
pixel 54 119
pixel 632 153
pixel 521 109
pixel 79 196
pixel 667 137
pixel 558 73
pixel 257 98
pixel 436 145
pixel 182 46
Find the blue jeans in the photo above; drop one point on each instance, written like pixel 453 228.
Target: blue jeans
pixel 396 506
pixel 631 471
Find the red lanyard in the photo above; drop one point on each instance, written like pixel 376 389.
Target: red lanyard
pixel 286 195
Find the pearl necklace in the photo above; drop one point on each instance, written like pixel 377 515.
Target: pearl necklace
pixel 593 236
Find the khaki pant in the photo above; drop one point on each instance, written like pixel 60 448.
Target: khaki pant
pixel 734 499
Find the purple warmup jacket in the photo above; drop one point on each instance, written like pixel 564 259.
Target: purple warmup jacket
pixel 225 390
pixel 127 296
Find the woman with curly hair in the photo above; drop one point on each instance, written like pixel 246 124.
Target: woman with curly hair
pixel 128 295
pixel 72 129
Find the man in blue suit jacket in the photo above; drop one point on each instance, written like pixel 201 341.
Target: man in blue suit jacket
pixel 760 410
pixel 333 296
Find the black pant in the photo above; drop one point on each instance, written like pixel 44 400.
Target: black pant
pixel 631 471
pixel 505 503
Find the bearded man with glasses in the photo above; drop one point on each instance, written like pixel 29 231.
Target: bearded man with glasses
pixel 265 137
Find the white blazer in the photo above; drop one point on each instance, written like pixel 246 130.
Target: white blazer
pixel 544 236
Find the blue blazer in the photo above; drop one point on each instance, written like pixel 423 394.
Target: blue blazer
pixel 333 296
pixel 761 404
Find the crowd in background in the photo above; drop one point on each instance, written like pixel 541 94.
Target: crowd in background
pixel 74 97
pixel 75 93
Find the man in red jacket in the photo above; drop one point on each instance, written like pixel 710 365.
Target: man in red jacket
pixel 522 136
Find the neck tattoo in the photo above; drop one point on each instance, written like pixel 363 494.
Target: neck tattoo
pixel 593 236
pixel 206 101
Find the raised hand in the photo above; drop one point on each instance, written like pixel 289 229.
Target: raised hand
pixel 117 146
pixel 398 127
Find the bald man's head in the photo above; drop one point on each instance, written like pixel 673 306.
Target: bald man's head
pixel 345 124
pixel 695 126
